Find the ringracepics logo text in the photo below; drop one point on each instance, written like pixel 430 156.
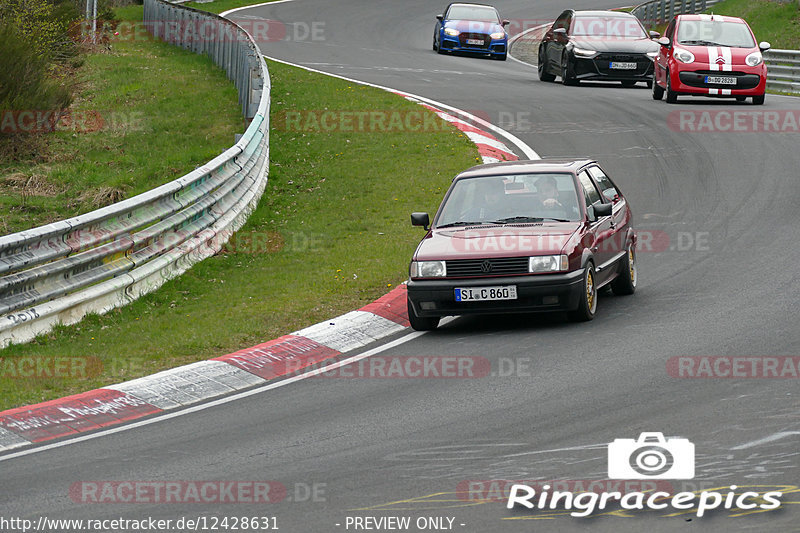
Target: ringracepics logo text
pixel 650 457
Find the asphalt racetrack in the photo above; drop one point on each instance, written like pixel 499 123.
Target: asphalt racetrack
pixel 720 280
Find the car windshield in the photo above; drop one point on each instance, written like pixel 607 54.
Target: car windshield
pixel 511 199
pixel 478 13
pixel 608 27
pixel 715 33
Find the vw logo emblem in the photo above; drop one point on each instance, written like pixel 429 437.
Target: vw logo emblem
pixel 486 266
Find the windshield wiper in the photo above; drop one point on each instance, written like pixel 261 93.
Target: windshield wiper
pixel 700 43
pixel 558 219
pixel 509 220
pixel 462 223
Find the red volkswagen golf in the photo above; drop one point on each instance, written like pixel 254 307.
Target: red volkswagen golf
pixel 710 55
pixel 523 236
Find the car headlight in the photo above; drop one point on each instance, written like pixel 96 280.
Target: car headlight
pixel 498 35
pixel 584 52
pixel 428 269
pixel 548 263
pixel 684 56
pixel 452 32
pixel 754 59
pixel 652 55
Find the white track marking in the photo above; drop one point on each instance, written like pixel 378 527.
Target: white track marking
pixel 770 438
pixel 228 12
pixel 221 401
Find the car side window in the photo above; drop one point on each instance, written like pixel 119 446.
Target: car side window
pixel 589 190
pixel 561 21
pixel 670 30
pixel 607 188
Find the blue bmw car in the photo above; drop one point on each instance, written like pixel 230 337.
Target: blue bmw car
pixel 473 28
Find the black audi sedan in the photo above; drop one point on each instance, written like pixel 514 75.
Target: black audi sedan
pixel 597 45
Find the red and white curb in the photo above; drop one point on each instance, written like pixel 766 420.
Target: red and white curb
pixel 204 380
pixel 490 148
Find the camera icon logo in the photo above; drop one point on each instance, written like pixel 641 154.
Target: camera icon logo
pixel 651 457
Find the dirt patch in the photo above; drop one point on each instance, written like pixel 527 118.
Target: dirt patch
pixel 29 185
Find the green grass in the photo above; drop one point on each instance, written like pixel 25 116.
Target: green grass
pixel 164 110
pixel 218 6
pixel 339 203
pixel 776 22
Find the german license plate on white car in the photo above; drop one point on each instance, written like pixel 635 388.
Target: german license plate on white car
pixel 478 42
pixel 481 294
pixel 622 66
pixel 722 80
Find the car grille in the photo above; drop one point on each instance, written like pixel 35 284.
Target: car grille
pixel 462 38
pixel 643 63
pixel 698 79
pixel 497 266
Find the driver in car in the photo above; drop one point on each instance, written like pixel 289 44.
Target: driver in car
pixel 547 192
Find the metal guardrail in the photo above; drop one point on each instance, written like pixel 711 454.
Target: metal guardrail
pixel 109 257
pixel 658 12
pixel 783 70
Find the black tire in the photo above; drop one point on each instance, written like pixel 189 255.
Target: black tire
pixel 759 100
pixel 567 76
pixel 629 83
pixel 588 302
pixel 434 44
pixel 544 75
pixel 649 84
pixel 658 91
pixel 672 96
pixel 625 283
pixel 419 323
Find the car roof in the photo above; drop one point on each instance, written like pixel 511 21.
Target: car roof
pixel 595 13
pixel 712 17
pixel 470 4
pixel 526 167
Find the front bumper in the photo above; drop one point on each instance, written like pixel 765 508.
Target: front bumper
pixel 535 293
pixel 455 44
pixel 749 81
pixel 599 68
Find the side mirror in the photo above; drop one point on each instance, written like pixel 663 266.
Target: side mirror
pixel 440 18
pixel 764 46
pixel 654 35
pixel 664 41
pixel 420 219
pixel 506 22
pixel 603 210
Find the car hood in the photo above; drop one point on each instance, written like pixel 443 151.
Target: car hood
pixel 474 242
pixel 625 46
pixel 473 26
pixel 718 55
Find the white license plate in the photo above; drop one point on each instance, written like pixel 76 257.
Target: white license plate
pixel 722 80
pixel 478 42
pixel 622 66
pixel 480 294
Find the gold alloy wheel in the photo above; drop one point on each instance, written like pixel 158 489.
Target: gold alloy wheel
pixel 590 295
pixel 632 265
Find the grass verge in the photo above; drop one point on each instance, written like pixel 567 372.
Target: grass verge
pixel 145 113
pixel 218 6
pixel 330 234
pixel 776 22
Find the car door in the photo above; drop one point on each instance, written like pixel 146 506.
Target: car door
pixel 600 232
pixel 620 214
pixel 556 44
pixel 662 60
